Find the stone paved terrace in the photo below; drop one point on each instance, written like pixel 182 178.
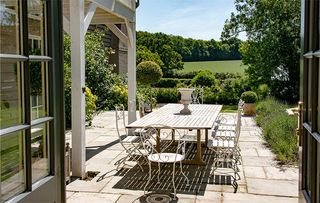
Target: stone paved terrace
pixel 262 179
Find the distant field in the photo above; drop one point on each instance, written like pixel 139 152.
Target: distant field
pixel 215 66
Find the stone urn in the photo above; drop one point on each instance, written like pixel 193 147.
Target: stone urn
pixel 185 99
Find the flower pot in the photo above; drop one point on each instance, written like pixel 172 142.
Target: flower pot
pixel 249 109
pixel 185 99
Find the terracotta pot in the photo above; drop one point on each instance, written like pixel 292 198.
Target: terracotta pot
pixel 249 109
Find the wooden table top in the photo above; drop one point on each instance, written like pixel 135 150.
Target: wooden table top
pixel 202 116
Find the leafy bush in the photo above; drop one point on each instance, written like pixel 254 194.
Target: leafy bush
pixel 183 75
pixel 167 95
pixel 90 105
pixel 119 95
pixel 224 76
pixel 172 82
pixel 263 91
pixel 144 54
pixel 148 72
pixel 204 79
pixel 147 95
pixel 249 97
pixel 278 129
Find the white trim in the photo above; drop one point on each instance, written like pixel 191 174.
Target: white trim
pixel 118 33
pixel 90 13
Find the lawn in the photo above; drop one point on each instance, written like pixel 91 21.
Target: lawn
pixel 215 66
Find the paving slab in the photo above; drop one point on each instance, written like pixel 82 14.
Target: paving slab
pixel 250 198
pixel 287 188
pixel 254 172
pixel 83 197
pixel 282 173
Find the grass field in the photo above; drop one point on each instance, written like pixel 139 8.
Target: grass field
pixel 215 66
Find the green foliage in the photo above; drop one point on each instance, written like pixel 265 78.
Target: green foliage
pixel 35 74
pixel 183 75
pixel 119 95
pixel 190 49
pixel 249 97
pixel 263 91
pixel 148 72
pixel 272 49
pixel 278 129
pixel 171 59
pixel 204 79
pixel 99 76
pixel 172 82
pixel 144 54
pixel 90 105
pixel 167 95
pixel 147 95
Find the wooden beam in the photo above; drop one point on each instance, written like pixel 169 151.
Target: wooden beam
pixel 117 9
pixel 78 83
pixel 90 13
pixel 66 25
pixel 118 33
pixel 131 34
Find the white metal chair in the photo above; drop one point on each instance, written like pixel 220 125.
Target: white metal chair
pixel 197 96
pixel 131 143
pixel 171 151
pixel 226 155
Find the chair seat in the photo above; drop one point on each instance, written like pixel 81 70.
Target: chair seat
pixel 221 143
pixel 224 134
pixel 165 157
pixel 226 127
pixel 132 138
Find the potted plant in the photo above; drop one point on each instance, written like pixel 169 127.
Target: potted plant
pixel 148 72
pixel 249 107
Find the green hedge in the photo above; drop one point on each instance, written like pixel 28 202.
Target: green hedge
pixel 167 95
pixel 278 129
pixel 172 82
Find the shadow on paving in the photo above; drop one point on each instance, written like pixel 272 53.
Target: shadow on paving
pixel 199 176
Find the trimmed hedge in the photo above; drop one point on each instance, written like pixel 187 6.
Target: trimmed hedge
pixel 278 129
pixel 167 95
pixel 171 82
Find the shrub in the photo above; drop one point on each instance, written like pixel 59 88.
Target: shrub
pixel 172 82
pixel 263 91
pixel 147 95
pixel 148 72
pixel 119 95
pixel 167 95
pixel 204 79
pixel 90 105
pixel 183 75
pixel 249 97
pixel 278 129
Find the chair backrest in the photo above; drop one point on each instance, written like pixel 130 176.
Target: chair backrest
pixel 238 129
pixel 120 118
pixel 168 145
pixel 197 96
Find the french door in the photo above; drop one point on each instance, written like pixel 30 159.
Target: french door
pixel 310 95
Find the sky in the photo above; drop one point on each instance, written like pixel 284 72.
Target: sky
pixel 198 19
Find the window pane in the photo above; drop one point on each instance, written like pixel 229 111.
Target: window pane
pixel 36 27
pixel 309 90
pixel 12 165
pixel 9 27
pixel 39 150
pixel 38 89
pixel 10 96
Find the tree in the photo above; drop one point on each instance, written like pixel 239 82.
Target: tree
pixel 272 49
pixel 148 72
pixel 144 54
pixel 172 60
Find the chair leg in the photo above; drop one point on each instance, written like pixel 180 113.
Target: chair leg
pixel 149 178
pixel 184 174
pixel 158 173
pixel 173 182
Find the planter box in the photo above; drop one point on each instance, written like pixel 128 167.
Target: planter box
pixel 249 109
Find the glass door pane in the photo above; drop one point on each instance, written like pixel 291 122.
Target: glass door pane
pixel 12 164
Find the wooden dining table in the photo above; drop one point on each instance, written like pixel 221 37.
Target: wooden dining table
pixel 202 117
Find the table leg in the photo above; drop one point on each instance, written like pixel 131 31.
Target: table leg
pixel 206 134
pixel 158 140
pixel 198 154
